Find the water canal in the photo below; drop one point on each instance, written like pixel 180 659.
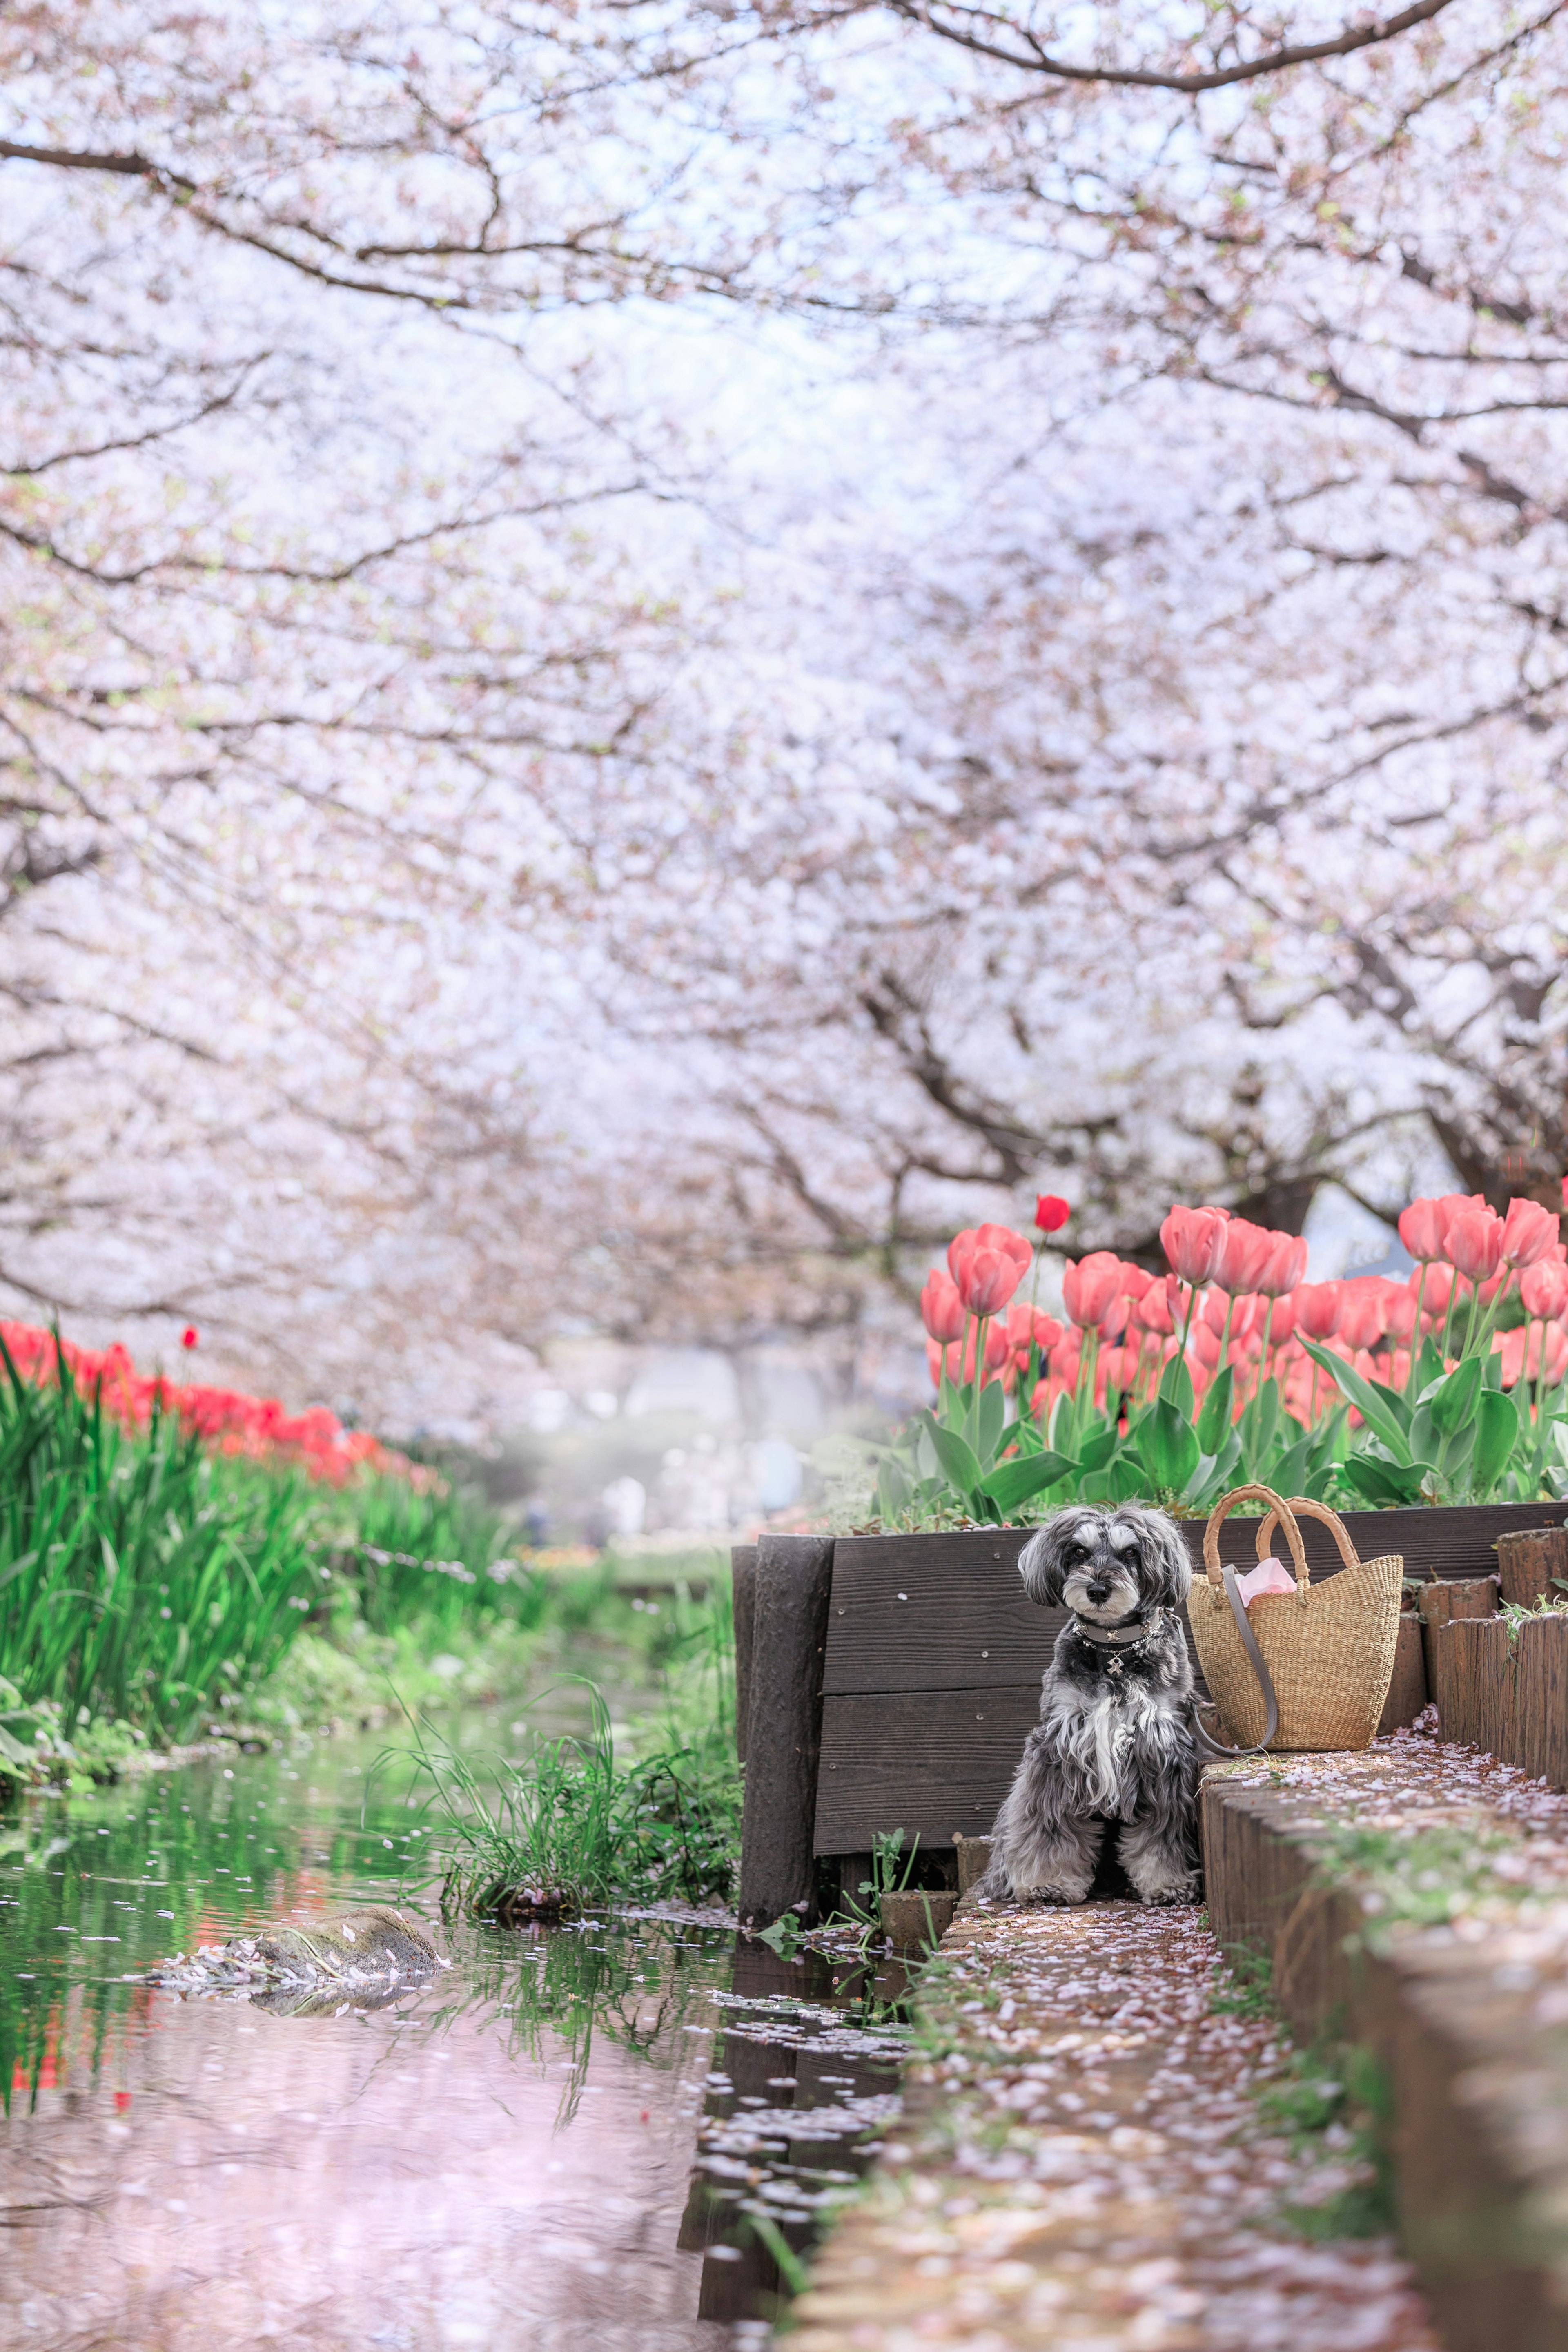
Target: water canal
pixel 593 2136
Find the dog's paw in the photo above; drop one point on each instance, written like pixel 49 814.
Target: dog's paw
pixel 1181 1892
pixel 1055 1895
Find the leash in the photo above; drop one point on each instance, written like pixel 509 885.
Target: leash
pixel 1205 1739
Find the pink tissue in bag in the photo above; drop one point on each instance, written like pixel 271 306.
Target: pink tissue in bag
pixel 1270 1576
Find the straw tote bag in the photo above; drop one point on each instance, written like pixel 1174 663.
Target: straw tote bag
pixel 1304 1670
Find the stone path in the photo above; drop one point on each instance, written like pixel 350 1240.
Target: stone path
pixel 1086 2165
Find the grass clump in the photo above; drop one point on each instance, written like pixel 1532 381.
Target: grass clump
pixel 573 1825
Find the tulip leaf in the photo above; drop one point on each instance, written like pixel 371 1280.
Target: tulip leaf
pixel 1453 1401
pixel 1367 1398
pixel 1096 1451
pixel 1381 1481
pixel 1496 1435
pixel 1214 1419
pixel 1175 1387
pixel 1012 1483
pixel 893 1491
pixel 1167 1446
pixel 990 1419
pixel 956 1457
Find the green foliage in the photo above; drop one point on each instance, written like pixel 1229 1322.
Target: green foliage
pixel 139 1575
pixel 436 1555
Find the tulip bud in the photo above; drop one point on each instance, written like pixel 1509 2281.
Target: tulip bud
pixel 1092 1286
pixel 1191 1239
pixel 941 1307
pixel 1474 1244
pixel 1529 1233
pixel 1050 1213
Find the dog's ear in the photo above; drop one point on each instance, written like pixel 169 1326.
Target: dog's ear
pixel 1042 1563
pixel 1166 1576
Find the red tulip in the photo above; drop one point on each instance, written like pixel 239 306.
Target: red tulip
pixel 1529 1233
pixel 941 1307
pixel 1092 1286
pixel 1544 1288
pixel 1006 1255
pixel 1243 1256
pixel 1474 1244
pixel 190 1337
pixel 1318 1308
pixel 1050 1213
pixel 1192 1239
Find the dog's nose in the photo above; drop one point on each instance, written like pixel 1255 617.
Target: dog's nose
pixel 1099 1588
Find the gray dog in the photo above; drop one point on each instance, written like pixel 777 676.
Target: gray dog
pixel 1115 1741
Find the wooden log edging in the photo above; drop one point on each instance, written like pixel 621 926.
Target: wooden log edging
pixel 1479 2134
pixel 792 1582
pixel 1511 1700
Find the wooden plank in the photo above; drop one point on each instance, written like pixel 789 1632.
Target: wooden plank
pixel 948 1612
pixel 794 1576
pixel 743 1589
pixel 1541 1732
pixel 929 1763
pixel 1407 1690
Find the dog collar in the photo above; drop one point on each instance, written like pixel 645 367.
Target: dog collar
pixel 1118 1637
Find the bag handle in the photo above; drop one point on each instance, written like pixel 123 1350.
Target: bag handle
pixel 1305 1507
pixel 1205 1739
pixel 1280 1511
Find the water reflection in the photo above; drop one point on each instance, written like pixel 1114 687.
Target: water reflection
pixel 502 2156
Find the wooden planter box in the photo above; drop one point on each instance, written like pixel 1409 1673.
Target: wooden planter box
pixel 889 1682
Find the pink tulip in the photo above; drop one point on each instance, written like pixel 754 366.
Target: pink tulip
pixel 1437 1290
pixel 1544 1289
pixel 1090 1287
pixel 1363 1314
pixel 941 1307
pixel 1244 1255
pixel 1192 1239
pixel 1119 1366
pixel 1474 1244
pixel 1529 1233
pixel 991 1279
pixel 1205 1346
pixel 1318 1308
pixel 1114 1322
pixel 1520 1353
pixel 1421 1227
pixel 1152 1312
pixel 1282 1319
pixel 1050 1213
pixel 1285 1265
pixel 1399 1311
pixel 994 1243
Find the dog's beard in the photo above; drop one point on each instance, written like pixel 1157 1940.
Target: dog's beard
pixel 1122 1600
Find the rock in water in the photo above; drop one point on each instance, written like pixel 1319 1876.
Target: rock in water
pixel 375 1951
